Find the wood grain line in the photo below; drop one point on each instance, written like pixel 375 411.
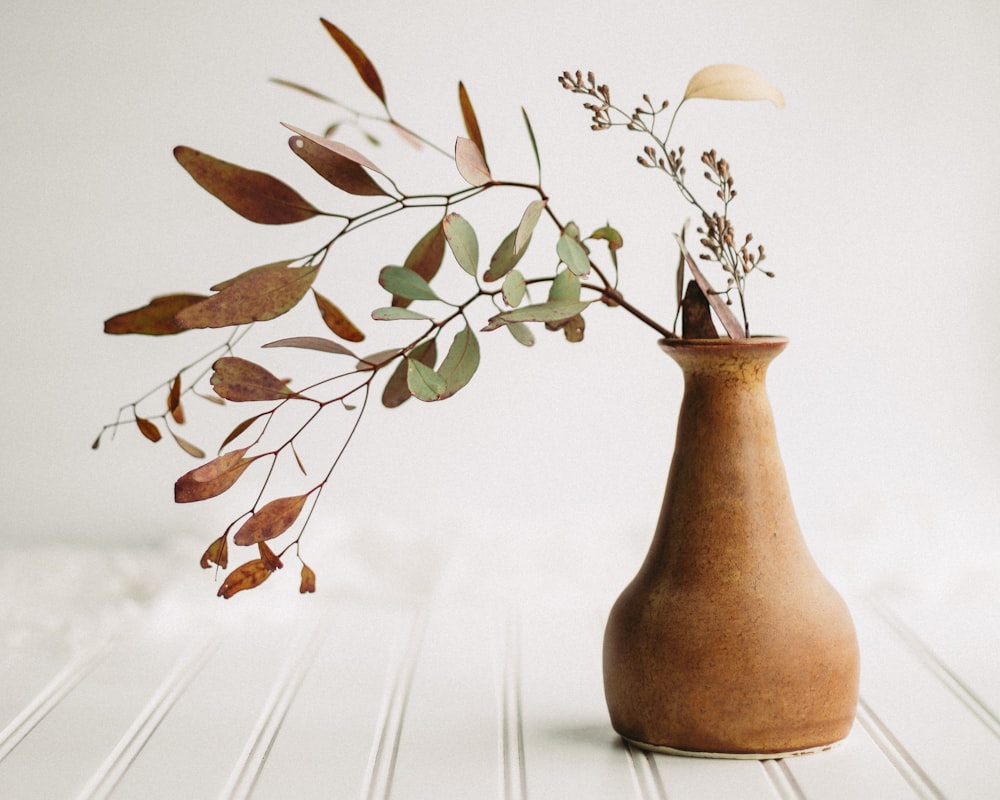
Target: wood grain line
pixel 645 773
pixel 300 658
pixel 49 697
pixel 897 754
pixel 389 729
pixel 782 779
pixel 110 772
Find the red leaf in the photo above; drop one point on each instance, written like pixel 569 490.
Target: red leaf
pixel 257 196
pixel 336 320
pixel 259 294
pixel 361 62
pixel 155 319
pixel 213 478
pixel 241 381
pixel 148 429
pixel 217 553
pixel 336 163
pixel 470 120
pixel 272 520
pixel 247 576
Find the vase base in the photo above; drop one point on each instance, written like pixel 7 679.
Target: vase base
pixel 677 751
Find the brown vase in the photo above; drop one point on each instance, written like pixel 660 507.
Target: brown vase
pixel 729 642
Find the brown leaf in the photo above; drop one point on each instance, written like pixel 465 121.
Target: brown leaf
pixel 239 429
pixel 269 557
pixel 361 62
pixel 471 164
pixel 573 328
pixel 725 314
pixel 696 319
pixel 308 582
pixel 336 163
pixel 396 390
pixel 155 319
pixel 217 553
pixel 247 576
pixel 242 381
pixel 470 120
pixel 213 478
pixel 259 294
pixel 174 401
pixel 379 359
pixel 148 429
pixel 257 196
pixel 425 259
pixel 187 447
pixel 273 519
pixel 312 343
pixel 336 320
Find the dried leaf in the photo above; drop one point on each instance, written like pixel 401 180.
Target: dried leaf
pixel 312 343
pixel 405 283
pixel 396 390
pixel 365 68
pixel 308 583
pixel 269 557
pixel 257 196
pixel 338 164
pixel 471 165
pixel 514 288
pixel 529 219
pixel 424 258
pixel 272 520
pixel 247 576
pixel 213 478
pixel 235 432
pixel 217 553
pixel 187 447
pixel 732 82
pixel 697 314
pixel 155 319
pixel 376 360
pixel 462 240
pixel 148 429
pixel 259 294
pixel 469 118
pixel 681 263
pixel 551 311
pixel 732 326
pixel 460 363
pixel 337 321
pixel 241 381
pixel 300 88
pixel 505 257
pixel 174 401
pixel 424 383
pixel 573 328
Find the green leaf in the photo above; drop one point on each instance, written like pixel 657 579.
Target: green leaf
pixel 527 225
pixel 256 196
pixel 521 333
pixel 425 258
pixel 471 164
pixel 505 258
pixel 460 363
pixel 463 242
pixel 514 287
pixel 571 252
pixel 565 286
pixel 397 390
pixel 534 143
pixel 259 294
pixel 406 283
pixel 423 382
pixel 610 235
pixel 394 313
pixel 551 311
pixel 732 82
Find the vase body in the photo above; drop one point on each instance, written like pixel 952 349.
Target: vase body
pixel 729 641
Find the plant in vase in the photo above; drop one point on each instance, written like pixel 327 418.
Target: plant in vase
pixel 729 641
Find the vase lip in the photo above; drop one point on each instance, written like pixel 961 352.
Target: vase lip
pixel 757 342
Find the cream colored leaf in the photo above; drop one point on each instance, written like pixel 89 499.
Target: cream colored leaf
pixel 732 82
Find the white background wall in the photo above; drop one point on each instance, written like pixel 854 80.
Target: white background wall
pixel 873 191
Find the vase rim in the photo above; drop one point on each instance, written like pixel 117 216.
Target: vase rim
pixel 763 341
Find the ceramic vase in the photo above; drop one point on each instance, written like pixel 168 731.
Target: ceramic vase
pixel 729 642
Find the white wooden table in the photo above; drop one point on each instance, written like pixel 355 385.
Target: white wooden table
pixel 278 696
